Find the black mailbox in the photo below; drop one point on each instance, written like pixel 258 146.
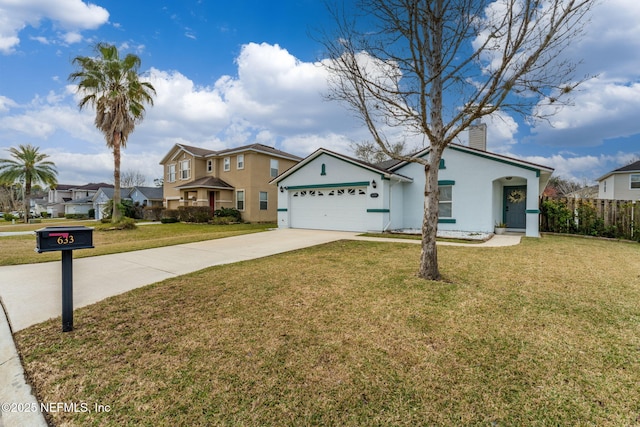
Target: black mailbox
pixel 65 239
pixel 51 239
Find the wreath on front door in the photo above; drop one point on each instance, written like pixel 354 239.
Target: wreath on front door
pixel 517 196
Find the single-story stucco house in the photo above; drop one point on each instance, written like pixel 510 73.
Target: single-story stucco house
pixel 478 189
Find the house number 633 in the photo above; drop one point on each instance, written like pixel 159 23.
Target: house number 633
pixel 65 239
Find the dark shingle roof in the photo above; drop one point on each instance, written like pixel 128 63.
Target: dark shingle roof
pixel 257 147
pixel 207 182
pixel 633 167
pixel 151 193
pixel 196 151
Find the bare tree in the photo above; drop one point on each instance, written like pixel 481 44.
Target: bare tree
pixel 370 152
pixel 562 187
pixel 131 178
pixel 433 67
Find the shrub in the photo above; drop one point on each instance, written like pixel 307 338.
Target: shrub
pixel 169 215
pixel 126 224
pixel 228 212
pixel 222 220
pixel 76 216
pixel 153 213
pixel 9 217
pixel 588 221
pixel 559 216
pixel 197 214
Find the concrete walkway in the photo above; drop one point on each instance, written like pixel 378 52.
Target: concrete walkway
pixel 32 293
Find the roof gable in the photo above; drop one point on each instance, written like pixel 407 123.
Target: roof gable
pixel 349 160
pixel 484 154
pixel 151 193
pixel 188 149
pixel 632 167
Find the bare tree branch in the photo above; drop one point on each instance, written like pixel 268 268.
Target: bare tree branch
pixel 433 67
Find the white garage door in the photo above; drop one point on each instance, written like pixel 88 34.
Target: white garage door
pixel 341 209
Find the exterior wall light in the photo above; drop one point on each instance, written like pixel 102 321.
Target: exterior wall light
pixel 373 183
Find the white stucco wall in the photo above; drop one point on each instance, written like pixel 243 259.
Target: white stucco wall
pixel 337 171
pixel 478 180
pixel 618 187
pixel 477 191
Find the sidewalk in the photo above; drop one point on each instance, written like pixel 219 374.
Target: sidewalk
pixel 32 293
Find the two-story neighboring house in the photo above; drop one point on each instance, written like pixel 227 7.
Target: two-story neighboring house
pixel 621 184
pixel 72 199
pixel 232 178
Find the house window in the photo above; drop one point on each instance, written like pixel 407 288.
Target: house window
pixel 263 200
pixel 185 169
pixel 274 168
pixel 240 161
pixel 634 180
pixel 171 173
pixel 240 200
pixel 210 165
pixel 226 163
pixel 445 201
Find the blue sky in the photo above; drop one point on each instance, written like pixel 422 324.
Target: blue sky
pixel 235 73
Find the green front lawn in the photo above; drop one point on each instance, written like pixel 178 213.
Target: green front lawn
pixel 20 249
pixel 345 334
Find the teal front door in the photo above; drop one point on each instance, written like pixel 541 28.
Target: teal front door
pixel 515 206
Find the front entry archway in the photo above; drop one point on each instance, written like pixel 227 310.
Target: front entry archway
pixel 515 206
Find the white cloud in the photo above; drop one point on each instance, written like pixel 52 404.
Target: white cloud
pixel 71 16
pixel 610 40
pixel 603 109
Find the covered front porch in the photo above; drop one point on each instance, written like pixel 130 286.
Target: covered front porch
pixel 515 204
pixel 209 191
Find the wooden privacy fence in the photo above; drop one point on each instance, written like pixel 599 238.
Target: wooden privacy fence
pixel 593 217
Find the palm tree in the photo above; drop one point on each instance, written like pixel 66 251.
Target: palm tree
pixel 112 85
pixel 27 166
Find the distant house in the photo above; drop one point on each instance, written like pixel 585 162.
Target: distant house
pixel 232 178
pixel 590 192
pixel 72 199
pixel 621 184
pixel 101 199
pixel 146 196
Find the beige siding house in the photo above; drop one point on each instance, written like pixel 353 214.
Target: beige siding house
pixel 621 184
pixel 232 178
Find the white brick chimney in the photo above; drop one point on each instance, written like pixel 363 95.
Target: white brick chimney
pixel 478 136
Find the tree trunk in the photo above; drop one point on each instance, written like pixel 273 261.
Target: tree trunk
pixel 429 253
pixel 116 216
pixel 27 198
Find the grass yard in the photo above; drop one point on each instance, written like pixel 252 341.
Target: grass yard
pixel 545 333
pixel 20 249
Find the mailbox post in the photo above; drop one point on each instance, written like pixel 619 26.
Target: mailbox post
pixel 65 239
